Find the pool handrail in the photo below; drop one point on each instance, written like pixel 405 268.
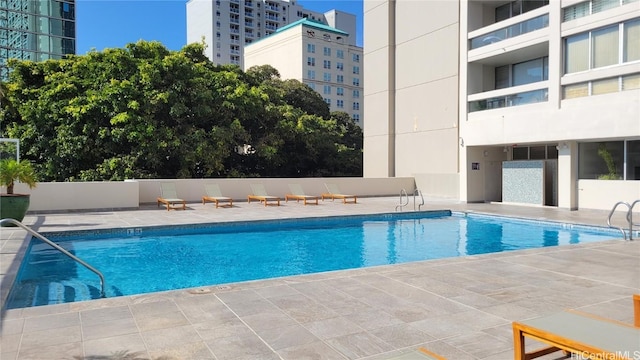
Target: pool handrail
pixel 629 217
pixel 59 248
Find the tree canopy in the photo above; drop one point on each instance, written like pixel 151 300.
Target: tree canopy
pixel 146 112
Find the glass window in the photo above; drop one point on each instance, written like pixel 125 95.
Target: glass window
pixel 311 74
pixel 520 153
pixel 577 53
pixel 356 57
pixel 576 11
pixel 340 103
pixel 602 5
pixel 311 61
pixel 327 51
pixel 604 86
pixel 339 79
pixel 311 48
pixel 356 70
pixel 340 91
pixel 575 91
pixel 327 89
pixel 605 46
pixel 631 40
pixel 601 160
pixel 502 77
pixel 530 71
pixel 340 54
pixel 327 76
pixel 631 82
pixel 633 160
pixel 340 66
pixel 356 82
pixel 327 64
pixel 356 94
pixel 537 152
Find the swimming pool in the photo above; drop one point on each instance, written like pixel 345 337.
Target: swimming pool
pixel 143 260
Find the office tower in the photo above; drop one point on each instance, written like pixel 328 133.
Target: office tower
pixel 227 25
pixel 36 30
pixel 531 101
pixel 318 55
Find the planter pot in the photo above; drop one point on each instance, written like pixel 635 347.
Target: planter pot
pixel 14 206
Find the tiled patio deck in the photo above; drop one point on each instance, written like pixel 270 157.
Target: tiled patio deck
pixel 461 308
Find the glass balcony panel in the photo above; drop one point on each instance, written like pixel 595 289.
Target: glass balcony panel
pixel 511 31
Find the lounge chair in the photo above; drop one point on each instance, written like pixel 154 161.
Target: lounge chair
pixel 169 197
pixel 215 195
pixel 419 354
pixel 333 192
pixel 298 194
pixel 259 193
pixel 590 336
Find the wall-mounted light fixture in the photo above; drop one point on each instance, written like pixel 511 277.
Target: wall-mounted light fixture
pixel 562 146
pixel 461 141
pixel 505 149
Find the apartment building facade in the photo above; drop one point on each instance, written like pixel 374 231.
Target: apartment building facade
pixel 36 30
pixel 227 25
pixel 531 102
pixel 318 55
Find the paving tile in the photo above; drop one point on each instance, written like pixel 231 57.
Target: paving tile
pixel 44 338
pixel 332 327
pixel 219 328
pixel 99 316
pixel 479 344
pixel 268 320
pixel 109 328
pixel 69 350
pixel 240 347
pixel 358 345
pixel 401 335
pixel 116 345
pixel 316 350
pixel 287 336
pixel 160 321
pixel 190 351
pixel 170 337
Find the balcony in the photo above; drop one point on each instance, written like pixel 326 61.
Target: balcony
pixel 511 31
pixel 512 96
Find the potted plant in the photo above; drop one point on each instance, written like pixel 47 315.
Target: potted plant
pixel 12 205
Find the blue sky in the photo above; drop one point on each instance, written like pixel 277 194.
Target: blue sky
pixel 104 24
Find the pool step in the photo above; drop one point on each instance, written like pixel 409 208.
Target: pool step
pixel 33 293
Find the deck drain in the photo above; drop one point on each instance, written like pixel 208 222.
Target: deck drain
pixel 223 287
pixel 199 291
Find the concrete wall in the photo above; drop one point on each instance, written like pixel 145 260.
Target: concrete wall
pixel 56 196
pixel 132 193
pixel 603 194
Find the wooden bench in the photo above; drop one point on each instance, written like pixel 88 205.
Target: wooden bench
pixel 589 336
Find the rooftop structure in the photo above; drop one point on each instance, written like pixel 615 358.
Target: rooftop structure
pixel 36 30
pixel 528 102
pixel 227 25
pixel 318 55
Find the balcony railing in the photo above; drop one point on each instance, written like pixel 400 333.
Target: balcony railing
pixel 508 32
pixel 497 102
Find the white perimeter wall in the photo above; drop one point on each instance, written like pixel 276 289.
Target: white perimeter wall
pixel 132 193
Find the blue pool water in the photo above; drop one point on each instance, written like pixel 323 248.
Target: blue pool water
pixel 142 260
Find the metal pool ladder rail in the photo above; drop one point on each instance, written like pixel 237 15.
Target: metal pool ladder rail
pixel 629 218
pixel 404 195
pixel 59 248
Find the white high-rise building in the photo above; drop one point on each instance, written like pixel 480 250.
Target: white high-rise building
pixel 227 25
pixel 318 55
pixel 530 101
